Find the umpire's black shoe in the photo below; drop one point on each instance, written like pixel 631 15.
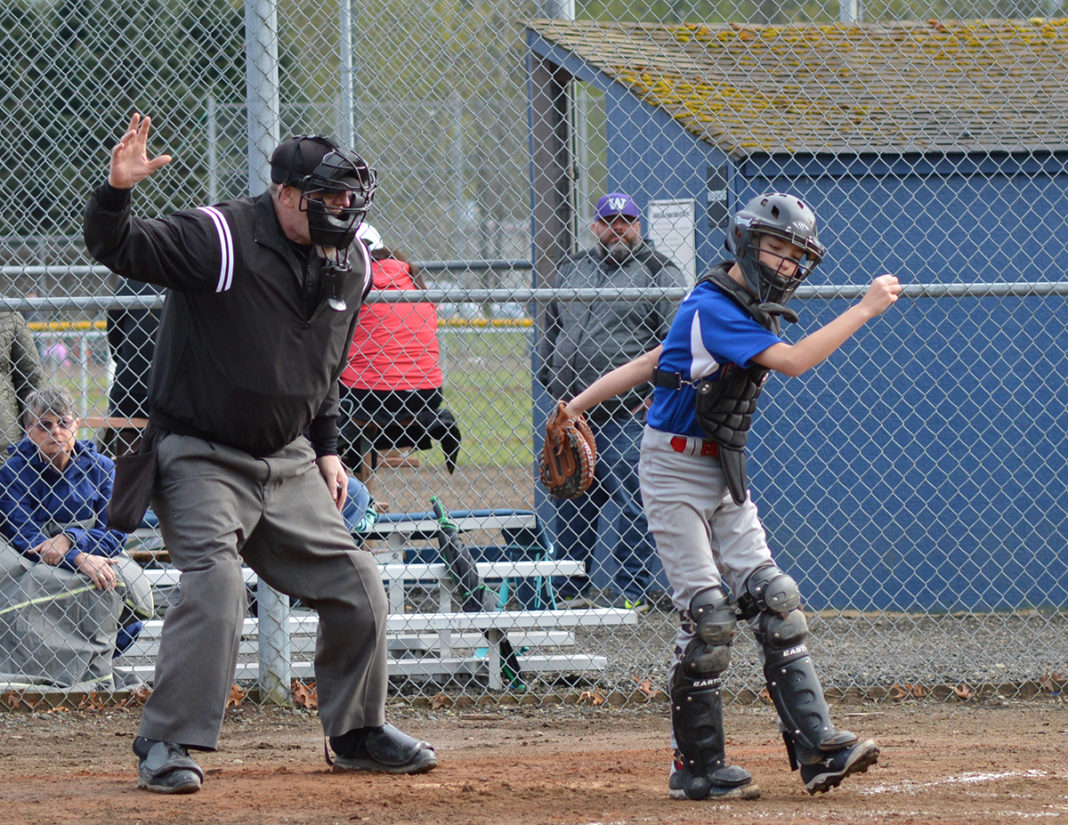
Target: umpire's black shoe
pixel 383 749
pixel 166 767
pixel 829 772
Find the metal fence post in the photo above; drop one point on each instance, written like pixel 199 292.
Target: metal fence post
pixel 261 23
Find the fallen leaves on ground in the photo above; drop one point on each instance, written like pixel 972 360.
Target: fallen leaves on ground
pixel 139 696
pixel 907 691
pixel 236 697
pixel 646 687
pixel 305 695
pixel 28 700
pixel 92 701
pixel 440 701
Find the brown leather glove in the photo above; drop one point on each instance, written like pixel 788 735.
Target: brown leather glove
pixel 569 455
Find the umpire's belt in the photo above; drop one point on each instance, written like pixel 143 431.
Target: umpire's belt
pixel 693 446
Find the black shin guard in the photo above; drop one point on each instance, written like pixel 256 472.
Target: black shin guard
pixel 774 600
pixel 697 722
pixel 798 696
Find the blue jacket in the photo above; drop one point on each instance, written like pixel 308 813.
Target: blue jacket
pixel 33 494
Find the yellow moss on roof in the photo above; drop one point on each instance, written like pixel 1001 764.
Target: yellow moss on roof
pixel 993 84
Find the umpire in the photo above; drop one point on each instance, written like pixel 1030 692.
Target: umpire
pixel 580 341
pixel 261 303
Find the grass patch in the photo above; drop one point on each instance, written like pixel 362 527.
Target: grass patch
pixel 488 388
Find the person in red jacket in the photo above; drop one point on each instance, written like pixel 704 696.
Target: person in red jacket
pixel 391 389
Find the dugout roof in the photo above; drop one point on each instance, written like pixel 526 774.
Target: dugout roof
pixel 921 86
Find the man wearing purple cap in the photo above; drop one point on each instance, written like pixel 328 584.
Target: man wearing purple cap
pixel 579 342
pixel 261 304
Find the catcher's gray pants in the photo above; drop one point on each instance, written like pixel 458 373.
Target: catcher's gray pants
pixel 217 506
pixel 702 537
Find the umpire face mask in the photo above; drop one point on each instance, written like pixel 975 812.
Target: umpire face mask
pixel 336 197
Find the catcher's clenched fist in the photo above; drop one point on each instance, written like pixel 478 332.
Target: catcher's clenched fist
pixel 569 455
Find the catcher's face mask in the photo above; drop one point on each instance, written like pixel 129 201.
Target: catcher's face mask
pixel 782 216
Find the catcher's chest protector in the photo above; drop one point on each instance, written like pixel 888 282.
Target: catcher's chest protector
pixel 726 403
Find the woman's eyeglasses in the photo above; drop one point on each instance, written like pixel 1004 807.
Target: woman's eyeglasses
pixel 47 425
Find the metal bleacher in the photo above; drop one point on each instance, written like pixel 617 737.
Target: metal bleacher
pixel 429 636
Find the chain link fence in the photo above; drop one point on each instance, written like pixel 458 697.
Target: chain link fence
pixel 914 485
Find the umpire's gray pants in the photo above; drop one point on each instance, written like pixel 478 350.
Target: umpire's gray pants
pixel 702 537
pixel 217 506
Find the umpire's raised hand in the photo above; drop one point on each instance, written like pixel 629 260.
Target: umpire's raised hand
pixel 129 157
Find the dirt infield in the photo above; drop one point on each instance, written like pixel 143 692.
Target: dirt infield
pixel 974 764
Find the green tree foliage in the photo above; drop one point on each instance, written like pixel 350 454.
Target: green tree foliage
pixel 71 73
pixel 442 113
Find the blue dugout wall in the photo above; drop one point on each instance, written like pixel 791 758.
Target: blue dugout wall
pixel 924 466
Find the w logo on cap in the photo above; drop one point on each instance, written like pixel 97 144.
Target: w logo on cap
pixel 616 204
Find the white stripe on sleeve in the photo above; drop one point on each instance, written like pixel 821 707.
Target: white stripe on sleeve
pixel 226 248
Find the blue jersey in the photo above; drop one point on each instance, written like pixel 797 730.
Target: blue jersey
pixel 709 330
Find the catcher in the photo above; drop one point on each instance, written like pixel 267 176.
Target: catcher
pixel 708 375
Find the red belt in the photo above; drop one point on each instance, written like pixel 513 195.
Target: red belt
pixel 680 444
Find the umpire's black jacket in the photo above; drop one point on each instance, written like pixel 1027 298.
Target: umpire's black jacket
pixel 243 357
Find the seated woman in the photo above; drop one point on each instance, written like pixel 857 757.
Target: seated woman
pixel 63 576
pixel 391 389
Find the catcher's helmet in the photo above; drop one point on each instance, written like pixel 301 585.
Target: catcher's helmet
pixel 784 216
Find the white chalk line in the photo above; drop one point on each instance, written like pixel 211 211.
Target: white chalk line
pixel 968 778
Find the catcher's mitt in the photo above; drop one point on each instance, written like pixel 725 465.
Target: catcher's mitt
pixel 568 458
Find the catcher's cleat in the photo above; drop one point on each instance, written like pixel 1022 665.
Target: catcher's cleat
pixel 166 767
pixel 727 782
pixel 384 750
pixel 829 772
